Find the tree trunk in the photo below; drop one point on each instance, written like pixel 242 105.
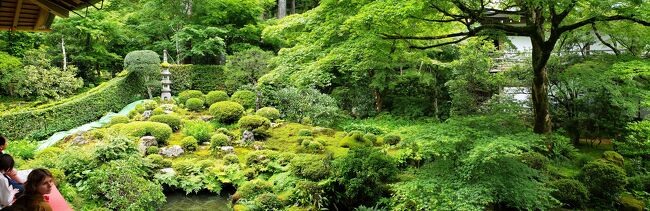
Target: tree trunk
pixel 379 101
pixel 282 8
pixel 293 6
pixel 541 54
pixel 65 57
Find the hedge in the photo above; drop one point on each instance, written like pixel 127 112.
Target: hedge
pixel 205 78
pixel 41 121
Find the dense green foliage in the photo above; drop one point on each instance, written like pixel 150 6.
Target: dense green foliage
pixel 198 129
pixel 47 119
pixel 269 112
pixel 253 122
pixel 245 98
pixel 188 94
pixel 194 104
pixel 215 96
pixel 172 120
pixel 138 129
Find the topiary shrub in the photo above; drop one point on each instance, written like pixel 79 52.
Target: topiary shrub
pixel 138 129
pixel 173 121
pixel 200 130
pixel 152 150
pixel 158 111
pixel 570 192
pixel 354 139
pixel 245 98
pixel 216 96
pixel 392 139
pixel 534 160
pixel 149 105
pixel 304 132
pixel 217 141
pixel 254 122
pixel 269 112
pixel 159 161
pixel 226 111
pixel 253 188
pixel 268 201
pixel 119 119
pixel 194 104
pixel 187 94
pixel 230 159
pixel 312 167
pixel 190 144
pixel 605 181
pixel 370 138
pixel 144 69
pixel 614 158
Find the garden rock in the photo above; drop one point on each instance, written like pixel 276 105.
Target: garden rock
pixel 147 141
pixel 247 137
pixel 172 151
pixel 206 118
pixel 258 147
pixel 146 114
pixel 168 171
pixel 228 149
pixel 79 140
pixel 207 143
pixel 274 125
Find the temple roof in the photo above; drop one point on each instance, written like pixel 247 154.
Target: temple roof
pixel 36 15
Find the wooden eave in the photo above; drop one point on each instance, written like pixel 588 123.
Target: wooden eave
pixel 36 15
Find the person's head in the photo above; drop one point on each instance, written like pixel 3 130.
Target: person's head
pixel 3 143
pixel 6 162
pixel 39 181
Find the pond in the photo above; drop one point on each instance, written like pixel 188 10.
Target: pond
pixel 195 202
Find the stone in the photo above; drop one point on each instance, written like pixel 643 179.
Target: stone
pixel 228 149
pixel 258 147
pixel 206 118
pixel 247 137
pixel 172 151
pixel 147 141
pixel 168 171
pixel 206 143
pixel 168 112
pixel 146 114
pixel 274 125
pixel 79 140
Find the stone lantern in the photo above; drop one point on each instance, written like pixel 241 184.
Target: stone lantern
pixel 166 94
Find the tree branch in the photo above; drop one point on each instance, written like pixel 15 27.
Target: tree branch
pixel 616 51
pixel 591 20
pixel 440 44
pixel 400 37
pixel 439 20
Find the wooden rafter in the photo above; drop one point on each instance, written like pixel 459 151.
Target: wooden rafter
pixel 54 7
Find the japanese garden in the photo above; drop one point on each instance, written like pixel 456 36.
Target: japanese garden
pixel 327 104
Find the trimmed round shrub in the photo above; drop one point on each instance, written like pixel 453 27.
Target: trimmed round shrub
pixel 119 119
pixel 534 160
pixel 189 144
pixel 354 139
pixel 173 121
pixel 313 167
pixel 269 112
pixel 392 139
pixel 227 111
pixel 268 201
pixel 194 104
pixel 158 111
pixel 149 105
pixel 304 132
pixel 230 159
pixel 605 181
pixel 215 96
pixel 159 160
pixel 218 140
pixel 245 98
pixel 200 130
pixel 254 122
pixel 152 150
pixel 614 158
pixel 253 188
pixel 570 192
pixel 314 146
pixel 187 94
pixel 138 129
pixel 372 138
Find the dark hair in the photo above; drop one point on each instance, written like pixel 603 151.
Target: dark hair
pixel 6 162
pixel 34 179
pixel 3 140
